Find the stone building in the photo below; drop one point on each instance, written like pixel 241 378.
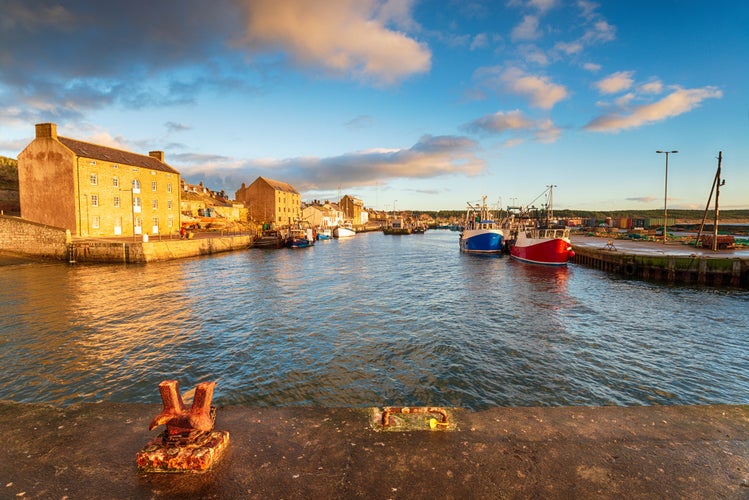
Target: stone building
pixel 95 190
pixel 353 208
pixel 270 201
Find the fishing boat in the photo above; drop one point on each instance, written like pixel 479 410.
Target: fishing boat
pixel 324 233
pixel 270 238
pixel 481 233
pixel 539 245
pixel 397 227
pixel 346 230
pixel 301 236
pixel 539 240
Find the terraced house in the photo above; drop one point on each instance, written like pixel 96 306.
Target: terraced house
pixel 95 190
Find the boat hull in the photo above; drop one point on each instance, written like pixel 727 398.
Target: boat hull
pixel 343 232
pixel 481 241
pixel 549 252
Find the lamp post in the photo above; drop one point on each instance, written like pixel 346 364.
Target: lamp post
pixel 665 195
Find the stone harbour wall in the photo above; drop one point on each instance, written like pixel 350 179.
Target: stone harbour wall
pixel 31 238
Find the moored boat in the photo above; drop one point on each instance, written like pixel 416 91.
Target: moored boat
pixel 548 246
pixel 346 230
pixel 270 238
pixel 301 236
pixel 539 239
pixel 397 227
pixel 481 233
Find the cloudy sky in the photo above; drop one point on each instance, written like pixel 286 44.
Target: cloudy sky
pixel 419 104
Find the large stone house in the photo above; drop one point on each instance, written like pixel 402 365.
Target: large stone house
pixel 270 201
pixel 95 190
pixel 353 209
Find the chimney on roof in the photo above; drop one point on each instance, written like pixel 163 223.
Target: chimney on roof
pixel 46 130
pixel 159 155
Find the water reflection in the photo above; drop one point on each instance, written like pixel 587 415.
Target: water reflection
pixel 373 320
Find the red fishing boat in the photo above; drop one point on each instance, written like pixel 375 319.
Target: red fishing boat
pixel 541 245
pixel 539 242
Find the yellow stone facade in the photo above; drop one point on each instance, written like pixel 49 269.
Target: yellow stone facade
pixel 96 191
pixel 270 201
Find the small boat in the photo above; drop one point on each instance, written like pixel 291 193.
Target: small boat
pixel 481 233
pixel 397 227
pixel 344 231
pixel 270 238
pixel 324 234
pixel 548 246
pixel 301 236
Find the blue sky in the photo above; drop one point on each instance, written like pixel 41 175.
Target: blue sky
pixel 424 105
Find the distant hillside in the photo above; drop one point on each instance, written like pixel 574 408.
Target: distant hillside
pixel 677 215
pixel 8 173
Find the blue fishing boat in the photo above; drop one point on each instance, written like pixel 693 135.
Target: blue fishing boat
pixel 481 233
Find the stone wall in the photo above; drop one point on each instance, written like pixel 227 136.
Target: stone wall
pixel 129 252
pixel 31 238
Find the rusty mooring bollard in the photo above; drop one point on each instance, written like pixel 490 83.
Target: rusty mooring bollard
pixel 189 442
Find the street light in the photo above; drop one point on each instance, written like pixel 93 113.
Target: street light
pixel 665 195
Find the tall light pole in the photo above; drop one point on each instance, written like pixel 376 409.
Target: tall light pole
pixel 665 195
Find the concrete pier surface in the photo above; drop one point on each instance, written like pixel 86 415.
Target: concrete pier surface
pixel 673 262
pixel 88 451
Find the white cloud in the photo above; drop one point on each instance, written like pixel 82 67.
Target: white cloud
pixel 540 90
pixel 592 67
pixel 341 36
pixel 431 156
pixel 654 87
pixel 527 29
pixel 676 103
pixel 615 83
pixel 515 123
pixel 480 41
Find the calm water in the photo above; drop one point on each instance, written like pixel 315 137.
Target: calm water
pixel 370 321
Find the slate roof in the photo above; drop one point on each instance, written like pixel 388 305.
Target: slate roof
pixel 279 186
pixel 97 152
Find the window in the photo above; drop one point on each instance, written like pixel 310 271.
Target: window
pixel 117 201
pixel 115 166
pixel 136 205
pixel 95 222
pixel 170 221
pixel 94 200
pixel 169 187
pixel 94 179
pixel 169 204
pixel 153 186
pixel 136 186
pixel 155 204
pixel 115 182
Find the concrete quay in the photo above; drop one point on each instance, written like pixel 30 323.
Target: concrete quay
pixel 673 262
pixel 88 451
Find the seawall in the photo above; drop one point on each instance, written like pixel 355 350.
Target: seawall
pixel 670 263
pixel 39 241
pixel 140 252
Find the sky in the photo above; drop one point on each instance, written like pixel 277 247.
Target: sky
pixel 405 104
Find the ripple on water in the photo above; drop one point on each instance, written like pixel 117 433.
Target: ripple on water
pixel 374 320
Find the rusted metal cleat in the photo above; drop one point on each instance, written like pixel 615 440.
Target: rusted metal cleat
pixel 184 424
pixel 189 442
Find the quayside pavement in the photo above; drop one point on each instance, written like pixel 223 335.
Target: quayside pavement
pixel 88 451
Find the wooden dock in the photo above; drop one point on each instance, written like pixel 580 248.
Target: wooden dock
pixel 670 263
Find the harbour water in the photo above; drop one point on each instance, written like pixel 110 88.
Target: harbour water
pixel 372 320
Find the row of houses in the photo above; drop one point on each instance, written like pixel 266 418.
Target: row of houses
pixel 98 191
